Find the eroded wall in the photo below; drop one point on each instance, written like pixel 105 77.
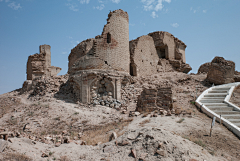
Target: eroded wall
pixel 39 65
pixel 174 48
pixel 108 51
pixel 143 56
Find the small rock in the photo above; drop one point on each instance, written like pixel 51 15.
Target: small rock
pixel 134 153
pixel 109 149
pixel 137 113
pixel 10 140
pixel 83 143
pixel 143 156
pixel 44 155
pixel 123 143
pixel 57 144
pixel 113 136
pixel 161 152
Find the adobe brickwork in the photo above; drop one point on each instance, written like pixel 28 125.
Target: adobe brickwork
pixel 155 99
pixel 174 48
pixel 143 56
pixel 111 52
pixel 108 51
pixel 39 65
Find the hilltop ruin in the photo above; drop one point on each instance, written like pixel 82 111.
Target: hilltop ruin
pixel 100 66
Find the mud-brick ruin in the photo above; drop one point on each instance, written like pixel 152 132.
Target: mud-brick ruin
pixel 100 66
pixel 39 65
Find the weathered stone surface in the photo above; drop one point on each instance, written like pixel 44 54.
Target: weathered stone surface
pixel 3 145
pixel 39 65
pixel 221 71
pixel 204 68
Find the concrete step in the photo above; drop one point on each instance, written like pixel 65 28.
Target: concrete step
pixel 223 88
pixel 234 120
pixel 220 108
pixel 211 100
pixel 226 112
pixel 229 116
pixel 215 95
pixel 215 104
pixel 218 91
pixel 214 98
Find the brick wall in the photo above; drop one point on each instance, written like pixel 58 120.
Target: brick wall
pixel 40 64
pixel 152 99
pixel 108 51
pixel 143 56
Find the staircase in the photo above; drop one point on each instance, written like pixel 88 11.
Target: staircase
pixel 215 103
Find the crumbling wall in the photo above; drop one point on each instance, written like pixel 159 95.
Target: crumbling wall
pixel 221 71
pixel 204 68
pixel 168 46
pixel 154 99
pixel 82 49
pixel 143 56
pixel 108 51
pixel 39 65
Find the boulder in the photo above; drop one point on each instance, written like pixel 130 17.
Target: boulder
pixel 204 68
pixel 221 71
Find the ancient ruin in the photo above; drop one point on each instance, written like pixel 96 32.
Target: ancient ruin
pixel 100 66
pixel 39 65
pixel 221 71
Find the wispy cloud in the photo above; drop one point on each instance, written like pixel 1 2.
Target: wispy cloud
pixel 154 15
pixel 72 7
pixel 101 7
pixel 175 25
pixel 156 5
pixel 204 11
pixel 84 1
pixel 14 6
pixel 116 1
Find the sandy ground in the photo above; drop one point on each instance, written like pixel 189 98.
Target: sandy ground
pixel 181 137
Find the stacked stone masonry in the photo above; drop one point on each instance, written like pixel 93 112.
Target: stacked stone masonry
pixel 155 99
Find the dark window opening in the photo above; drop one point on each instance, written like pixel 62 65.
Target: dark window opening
pixel 108 38
pixel 161 51
pixel 133 69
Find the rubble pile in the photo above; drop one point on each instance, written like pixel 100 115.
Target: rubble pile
pixel 105 100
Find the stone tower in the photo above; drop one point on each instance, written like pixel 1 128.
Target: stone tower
pixel 114 46
pixel 108 51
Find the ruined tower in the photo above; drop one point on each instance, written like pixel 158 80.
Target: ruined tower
pixel 109 51
pixel 39 65
pixel 99 66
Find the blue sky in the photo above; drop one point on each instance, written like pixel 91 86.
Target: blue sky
pixel 209 28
